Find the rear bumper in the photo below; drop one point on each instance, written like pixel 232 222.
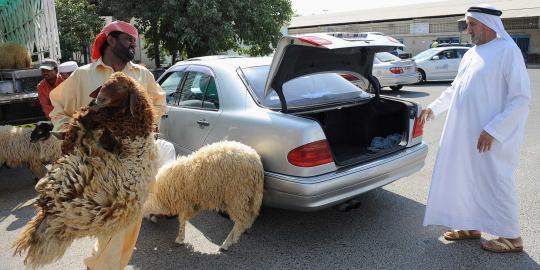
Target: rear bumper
pixel 389 80
pixel 319 192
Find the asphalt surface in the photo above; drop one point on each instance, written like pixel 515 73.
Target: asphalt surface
pixel 385 232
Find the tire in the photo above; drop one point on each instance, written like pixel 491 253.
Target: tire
pixel 421 75
pixel 396 87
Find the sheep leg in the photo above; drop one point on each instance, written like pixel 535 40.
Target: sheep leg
pixel 233 236
pixel 181 230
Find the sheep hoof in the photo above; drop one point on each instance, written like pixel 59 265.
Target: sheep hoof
pixel 153 218
pixel 179 241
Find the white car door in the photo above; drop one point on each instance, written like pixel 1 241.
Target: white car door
pixel 453 60
pixel 193 111
pixel 439 67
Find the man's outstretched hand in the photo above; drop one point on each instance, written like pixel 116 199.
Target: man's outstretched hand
pixel 425 115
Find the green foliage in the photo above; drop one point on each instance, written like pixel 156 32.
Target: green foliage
pixel 78 24
pixel 204 27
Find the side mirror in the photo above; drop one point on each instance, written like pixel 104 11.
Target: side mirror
pixel 436 57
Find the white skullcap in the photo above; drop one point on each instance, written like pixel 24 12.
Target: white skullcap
pixel 489 19
pixel 68 66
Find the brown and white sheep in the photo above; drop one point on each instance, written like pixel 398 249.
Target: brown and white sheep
pixel 14 56
pixel 100 186
pixel 19 149
pixel 224 176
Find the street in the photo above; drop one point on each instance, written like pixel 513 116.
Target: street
pixel 385 232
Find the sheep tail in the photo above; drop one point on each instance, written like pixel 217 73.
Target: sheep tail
pixel 42 247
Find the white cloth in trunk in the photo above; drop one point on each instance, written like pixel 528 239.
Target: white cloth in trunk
pixel 472 190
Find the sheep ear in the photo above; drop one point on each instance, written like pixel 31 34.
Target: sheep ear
pixel 132 102
pixel 58 134
pixel 95 93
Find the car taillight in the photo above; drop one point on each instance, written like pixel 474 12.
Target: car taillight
pixel 311 154
pixel 317 41
pixel 396 70
pixel 418 128
pixel 349 77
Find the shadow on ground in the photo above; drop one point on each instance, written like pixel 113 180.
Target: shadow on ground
pixel 16 196
pixel 385 232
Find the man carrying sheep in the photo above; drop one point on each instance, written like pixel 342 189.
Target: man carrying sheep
pixel 113 50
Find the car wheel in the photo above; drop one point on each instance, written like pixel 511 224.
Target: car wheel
pixel 421 76
pixel 396 87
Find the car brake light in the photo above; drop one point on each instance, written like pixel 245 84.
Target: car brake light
pixel 317 41
pixel 311 154
pixel 396 70
pixel 391 39
pixel 418 128
pixel 349 77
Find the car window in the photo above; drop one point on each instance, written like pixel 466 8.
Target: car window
pixel 192 92
pixel 211 98
pixel 386 57
pixel 171 85
pixel 448 54
pixel 313 89
pixel 461 52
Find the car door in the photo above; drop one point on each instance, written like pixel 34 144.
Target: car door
pixel 439 66
pixel 194 111
pixel 453 60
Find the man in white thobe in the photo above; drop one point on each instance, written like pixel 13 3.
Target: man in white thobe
pixel 473 189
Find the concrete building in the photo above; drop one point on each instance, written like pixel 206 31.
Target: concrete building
pixel 417 26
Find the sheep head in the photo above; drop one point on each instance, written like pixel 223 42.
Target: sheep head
pixel 118 91
pixel 41 132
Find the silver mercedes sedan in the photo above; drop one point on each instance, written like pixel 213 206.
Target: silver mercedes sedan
pixel 323 141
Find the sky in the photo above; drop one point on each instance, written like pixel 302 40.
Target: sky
pixel 310 7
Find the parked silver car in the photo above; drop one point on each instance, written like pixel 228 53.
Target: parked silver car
pixel 439 64
pixel 322 140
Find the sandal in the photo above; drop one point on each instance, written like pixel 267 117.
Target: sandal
pixel 501 245
pixel 454 235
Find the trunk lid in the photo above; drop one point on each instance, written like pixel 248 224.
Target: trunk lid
pixel 300 55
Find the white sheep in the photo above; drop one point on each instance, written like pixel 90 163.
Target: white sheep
pixel 224 176
pixel 18 149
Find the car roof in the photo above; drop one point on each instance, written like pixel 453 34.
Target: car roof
pixel 451 47
pixel 233 61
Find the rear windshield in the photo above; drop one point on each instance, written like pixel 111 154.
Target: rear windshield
pixel 386 57
pixel 309 90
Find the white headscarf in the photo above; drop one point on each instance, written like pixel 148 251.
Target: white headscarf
pixel 492 21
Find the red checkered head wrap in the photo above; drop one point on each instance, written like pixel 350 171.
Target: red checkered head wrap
pixel 121 26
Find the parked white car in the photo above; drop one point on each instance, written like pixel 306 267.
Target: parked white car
pixel 439 64
pixel 393 71
pixel 388 71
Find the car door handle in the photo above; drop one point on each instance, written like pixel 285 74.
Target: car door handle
pixel 203 123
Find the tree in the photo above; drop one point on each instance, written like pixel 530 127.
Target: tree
pixel 202 27
pixel 78 24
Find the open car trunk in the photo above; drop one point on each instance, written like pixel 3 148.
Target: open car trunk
pixel 351 131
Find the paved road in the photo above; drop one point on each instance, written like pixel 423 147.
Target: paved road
pixel 384 233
